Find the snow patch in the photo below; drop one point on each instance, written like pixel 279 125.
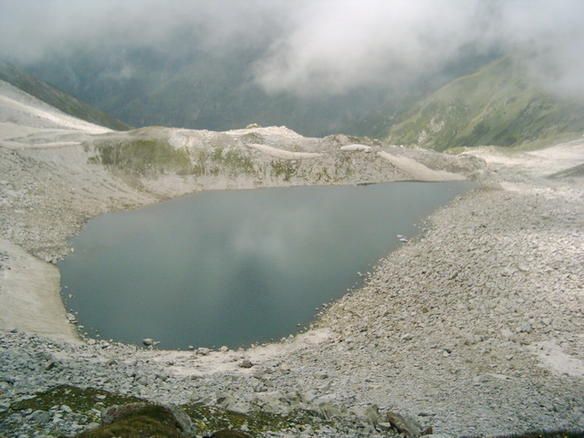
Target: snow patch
pixel 356 148
pixel 281 153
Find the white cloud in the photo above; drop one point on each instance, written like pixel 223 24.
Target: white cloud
pixel 315 46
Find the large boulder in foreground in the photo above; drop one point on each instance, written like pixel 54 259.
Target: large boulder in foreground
pixel 142 419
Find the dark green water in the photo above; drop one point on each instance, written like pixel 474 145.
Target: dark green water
pixel 236 267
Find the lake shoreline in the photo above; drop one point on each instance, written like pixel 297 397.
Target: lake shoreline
pixel 42 218
pixel 220 257
pixel 446 329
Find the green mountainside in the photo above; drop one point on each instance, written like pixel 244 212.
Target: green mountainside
pixel 496 105
pixel 57 98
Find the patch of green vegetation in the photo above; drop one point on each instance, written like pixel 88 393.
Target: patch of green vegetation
pixel 149 421
pixel 497 105
pixel 209 418
pixel 155 421
pixel 284 169
pixel 144 157
pixel 78 399
pixel 323 175
pixel 233 161
pixel 343 166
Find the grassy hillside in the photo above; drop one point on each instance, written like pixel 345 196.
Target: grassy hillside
pixel 57 98
pixel 497 105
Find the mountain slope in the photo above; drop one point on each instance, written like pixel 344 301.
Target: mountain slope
pixel 497 105
pixel 56 98
pixel 20 110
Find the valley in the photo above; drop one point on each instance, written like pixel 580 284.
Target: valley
pixel 475 327
pixel 276 219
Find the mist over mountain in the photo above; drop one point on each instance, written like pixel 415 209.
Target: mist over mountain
pixel 205 90
pixel 318 67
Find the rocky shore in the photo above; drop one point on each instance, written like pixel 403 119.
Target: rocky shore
pixel 475 328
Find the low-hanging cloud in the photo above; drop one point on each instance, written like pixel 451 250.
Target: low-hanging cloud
pixel 338 44
pixel 315 47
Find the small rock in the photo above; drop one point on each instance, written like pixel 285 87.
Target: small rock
pixel 406 425
pixel 369 413
pixel 329 410
pixel 506 334
pixel 524 328
pixel 40 417
pixel 245 363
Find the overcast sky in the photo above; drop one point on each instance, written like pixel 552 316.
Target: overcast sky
pixel 308 46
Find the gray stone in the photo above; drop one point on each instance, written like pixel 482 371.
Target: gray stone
pixel 245 363
pixel 404 424
pixel 40 417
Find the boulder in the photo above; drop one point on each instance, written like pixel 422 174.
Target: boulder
pixel 143 418
pixel 404 425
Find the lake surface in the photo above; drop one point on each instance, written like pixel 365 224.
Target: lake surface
pixel 236 267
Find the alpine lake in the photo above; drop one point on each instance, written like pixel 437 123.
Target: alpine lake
pixel 237 267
